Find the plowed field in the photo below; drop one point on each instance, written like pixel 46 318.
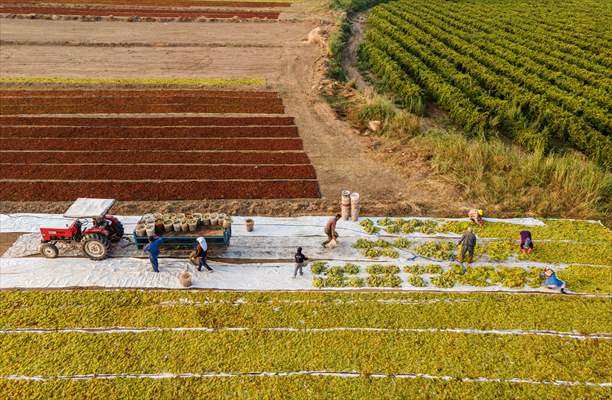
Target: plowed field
pixel 144 157
pixel 148 132
pixel 153 157
pixel 63 190
pixel 144 121
pixel 173 3
pixel 137 12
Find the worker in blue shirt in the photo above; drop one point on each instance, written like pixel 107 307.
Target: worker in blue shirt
pixel 552 282
pixel 153 249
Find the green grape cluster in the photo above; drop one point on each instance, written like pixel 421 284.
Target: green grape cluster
pixel 436 250
pixel 417 281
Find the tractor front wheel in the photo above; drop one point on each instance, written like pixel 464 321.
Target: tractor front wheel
pixel 49 250
pixel 96 246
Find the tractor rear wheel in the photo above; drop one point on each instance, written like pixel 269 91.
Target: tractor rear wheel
pixel 116 232
pixel 49 250
pixel 96 246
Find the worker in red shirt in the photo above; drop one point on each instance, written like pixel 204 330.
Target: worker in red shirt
pixel 330 229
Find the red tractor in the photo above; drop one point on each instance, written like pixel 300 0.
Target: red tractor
pixel 95 239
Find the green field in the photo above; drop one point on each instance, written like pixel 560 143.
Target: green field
pixel 537 71
pixel 415 337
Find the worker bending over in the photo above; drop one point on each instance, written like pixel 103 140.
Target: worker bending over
pixel 300 259
pixel 526 242
pixel 467 243
pixel 552 282
pixel 476 216
pixel 201 253
pixel 330 229
pixel 153 249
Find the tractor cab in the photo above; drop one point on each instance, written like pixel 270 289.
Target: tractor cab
pixel 92 226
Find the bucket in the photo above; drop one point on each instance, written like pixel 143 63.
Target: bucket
pixel 355 206
pixel 185 278
pixel 345 204
pixel 158 216
pixel 184 226
pixel 140 230
pixel 168 225
pixel 206 219
pixel 169 216
pixel 346 197
pixel 180 215
pixel 345 211
pixel 150 229
pixel 197 217
pixel 193 224
pixel 159 227
pixel 177 226
pixel 148 219
pixel 250 224
pixel 227 222
pixel 214 219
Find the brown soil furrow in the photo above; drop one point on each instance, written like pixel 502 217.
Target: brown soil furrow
pixel 159 171
pixel 151 144
pixel 136 93
pixel 173 3
pixel 152 191
pixel 140 157
pixel 109 100
pixel 149 132
pixel 145 121
pixel 124 12
pixel 142 108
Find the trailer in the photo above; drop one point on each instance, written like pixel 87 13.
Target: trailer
pixel 217 236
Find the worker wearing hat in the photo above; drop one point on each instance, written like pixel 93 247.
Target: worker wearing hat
pixel 476 216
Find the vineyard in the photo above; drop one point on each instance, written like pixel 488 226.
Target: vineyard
pixel 255 152
pixel 543 78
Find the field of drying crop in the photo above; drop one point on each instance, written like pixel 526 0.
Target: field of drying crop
pixel 136 157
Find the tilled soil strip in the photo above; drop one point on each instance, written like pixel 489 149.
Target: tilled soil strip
pixel 175 3
pixel 158 191
pixel 142 172
pixel 153 157
pixel 122 12
pixel 143 108
pixel 111 100
pixel 135 93
pixel 149 132
pixel 144 145
pixel 145 121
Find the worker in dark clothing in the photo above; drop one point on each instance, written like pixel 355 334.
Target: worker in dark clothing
pixel 300 258
pixel 330 229
pixel 526 242
pixel 201 253
pixel 467 243
pixel 153 249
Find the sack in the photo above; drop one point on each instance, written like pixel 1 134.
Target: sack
pixel 193 259
pixel 331 244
